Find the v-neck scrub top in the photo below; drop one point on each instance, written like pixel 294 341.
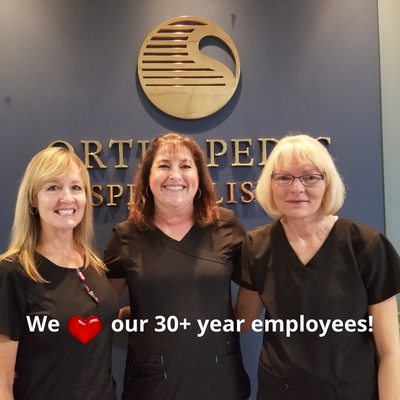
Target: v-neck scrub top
pixel 355 267
pixel 56 365
pixel 180 281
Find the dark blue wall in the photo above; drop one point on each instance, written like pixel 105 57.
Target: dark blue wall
pixel 68 71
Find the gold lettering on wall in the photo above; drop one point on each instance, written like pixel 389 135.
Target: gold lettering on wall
pixel 98 149
pixel 264 152
pixel 116 194
pixel 237 152
pixel 231 193
pixel 143 146
pixel 97 198
pixel 63 143
pixel 121 143
pixel 212 152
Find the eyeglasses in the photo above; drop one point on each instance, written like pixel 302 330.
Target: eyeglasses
pixel 308 180
pixel 86 288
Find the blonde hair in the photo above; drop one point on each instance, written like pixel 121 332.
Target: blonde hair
pixel 304 149
pixel 50 163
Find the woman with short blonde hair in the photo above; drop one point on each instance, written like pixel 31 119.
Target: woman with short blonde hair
pixel 326 275
pixel 303 149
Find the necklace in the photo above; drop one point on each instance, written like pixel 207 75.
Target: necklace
pixel 86 288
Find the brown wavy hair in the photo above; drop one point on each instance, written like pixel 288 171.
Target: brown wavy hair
pixel 141 208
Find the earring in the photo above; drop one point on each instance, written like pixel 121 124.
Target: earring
pixel 33 210
pixel 198 194
pixel 147 191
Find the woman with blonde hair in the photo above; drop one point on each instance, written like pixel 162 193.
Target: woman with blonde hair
pixel 325 278
pixel 53 289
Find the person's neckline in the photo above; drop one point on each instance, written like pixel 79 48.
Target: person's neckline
pixel 318 251
pixel 178 238
pixel 74 268
pixel 176 227
pixel 324 225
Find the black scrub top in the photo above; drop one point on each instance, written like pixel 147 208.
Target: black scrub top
pixel 56 365
pixel 355 267
pixel 180 281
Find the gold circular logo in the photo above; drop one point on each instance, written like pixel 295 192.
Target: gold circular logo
pixel 177 77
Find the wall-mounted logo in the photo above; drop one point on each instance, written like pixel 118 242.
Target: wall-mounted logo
pixel 178 77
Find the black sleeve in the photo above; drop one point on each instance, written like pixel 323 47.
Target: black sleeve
pixel 243 263
pixel 113 256
pixel 238 248
pixel 259 249
pixel 12 300
pixel 380 270
pixel 230 235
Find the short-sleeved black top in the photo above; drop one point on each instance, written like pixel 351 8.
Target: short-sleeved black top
pixel 55 365
pixel 180 281
pixel 356 266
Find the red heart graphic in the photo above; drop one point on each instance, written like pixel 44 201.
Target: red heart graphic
pixel 84 329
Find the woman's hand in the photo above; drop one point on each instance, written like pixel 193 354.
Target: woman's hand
pixel 248 307
pixel 124 313
pixel 387 342
pixel 8 355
